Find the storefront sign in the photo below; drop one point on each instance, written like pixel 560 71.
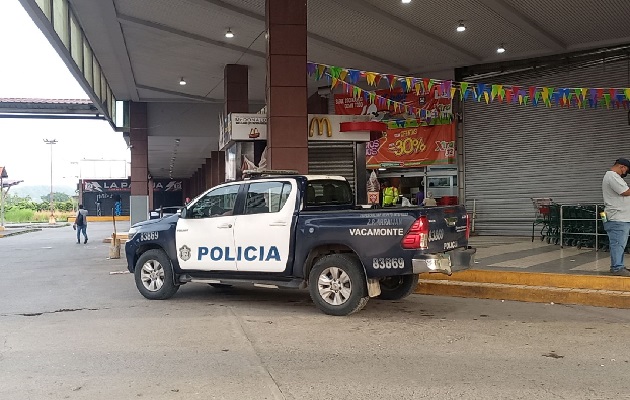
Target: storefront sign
pixel 435 108
pixel 324 127
pixel 412 147
pixel 252 127
pixel 106 185
pixel 165 185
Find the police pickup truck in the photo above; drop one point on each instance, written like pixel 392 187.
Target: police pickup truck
pixel 298 231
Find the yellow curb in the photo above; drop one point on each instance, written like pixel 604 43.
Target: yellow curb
pixel 593 282
pixel 538 294
pixel 93 218
pixel 122 236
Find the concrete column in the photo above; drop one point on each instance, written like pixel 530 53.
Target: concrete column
pixel 235 85
pixel 208 170
pixel 287 138
pixel 217 166
pixel 151 195
pixel 204 184
pixel 199 180
pixel 138 139
pixel 186 190
pixel 195 184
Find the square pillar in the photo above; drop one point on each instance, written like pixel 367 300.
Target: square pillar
pixel 286 97
pixel 235 85
pixel 138 140
pixel 217 167
pixel 208 170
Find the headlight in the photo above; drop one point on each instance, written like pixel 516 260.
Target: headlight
pixel 132 232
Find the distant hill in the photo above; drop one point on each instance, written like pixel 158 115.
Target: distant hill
pixel 37 191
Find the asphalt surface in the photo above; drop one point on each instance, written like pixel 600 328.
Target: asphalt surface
pixel 70 330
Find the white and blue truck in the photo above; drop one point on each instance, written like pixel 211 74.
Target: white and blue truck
pixel 298 231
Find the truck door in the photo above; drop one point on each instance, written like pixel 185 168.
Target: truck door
pixel 205 238
pixel 263 232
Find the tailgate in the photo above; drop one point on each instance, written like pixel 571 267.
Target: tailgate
pixel 447 228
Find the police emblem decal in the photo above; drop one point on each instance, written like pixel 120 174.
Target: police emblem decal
pixel 184 253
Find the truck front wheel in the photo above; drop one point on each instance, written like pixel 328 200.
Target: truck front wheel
pixel 398 287
pixel 154 275
pixel 337 285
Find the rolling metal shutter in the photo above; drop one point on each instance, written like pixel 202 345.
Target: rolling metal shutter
pixel 515 152
pixel 332 158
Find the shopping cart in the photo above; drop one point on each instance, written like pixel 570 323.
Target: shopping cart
pixel 542 205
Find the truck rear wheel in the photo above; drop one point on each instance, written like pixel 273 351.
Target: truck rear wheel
pixel 338 285
pixel 154 275
pixel 398 287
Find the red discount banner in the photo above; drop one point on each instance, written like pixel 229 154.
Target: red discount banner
pixel 412 147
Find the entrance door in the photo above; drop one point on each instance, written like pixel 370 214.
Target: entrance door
pixel 205 238
pixel 263 232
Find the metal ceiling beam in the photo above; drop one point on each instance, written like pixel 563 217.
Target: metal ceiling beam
pixel 133 21
pixel 179 94
pixel 105 19
pixel 241 12
pixel 395 22
pixel 517 18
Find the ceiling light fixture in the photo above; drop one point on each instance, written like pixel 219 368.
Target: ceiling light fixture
pixel 182 81
pixel 501 49
pixel 406 1
pixel 461 27
pixel 229 33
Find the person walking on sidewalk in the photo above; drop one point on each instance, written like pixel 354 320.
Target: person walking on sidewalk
pixel 80 224
pixel 617 207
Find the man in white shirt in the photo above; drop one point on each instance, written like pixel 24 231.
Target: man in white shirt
pixel 617 207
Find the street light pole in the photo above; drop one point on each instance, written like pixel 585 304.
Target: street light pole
pixel 51 220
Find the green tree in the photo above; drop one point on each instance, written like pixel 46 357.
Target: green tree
pixel 57 198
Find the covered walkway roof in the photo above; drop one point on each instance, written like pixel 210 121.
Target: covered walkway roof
pixel 47 108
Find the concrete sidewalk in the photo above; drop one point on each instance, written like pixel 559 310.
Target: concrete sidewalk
pixel 515 268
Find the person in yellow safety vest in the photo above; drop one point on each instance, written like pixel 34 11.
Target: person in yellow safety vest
pixel 390 195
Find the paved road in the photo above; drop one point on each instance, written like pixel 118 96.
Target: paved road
pixel 70 330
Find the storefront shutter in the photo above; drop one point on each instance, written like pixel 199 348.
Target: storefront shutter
pixel 332 158
pixel 515 152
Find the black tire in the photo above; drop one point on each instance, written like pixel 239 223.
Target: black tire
pixel 154 275
pixel 350 285
pixel 220 285
pixel 398 287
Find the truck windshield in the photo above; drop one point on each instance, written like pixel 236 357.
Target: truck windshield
pixel 328 192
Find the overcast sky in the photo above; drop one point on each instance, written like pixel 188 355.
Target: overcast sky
pixel 29 67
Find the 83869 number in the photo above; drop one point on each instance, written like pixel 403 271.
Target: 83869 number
pixel 144 236
pixel 388 263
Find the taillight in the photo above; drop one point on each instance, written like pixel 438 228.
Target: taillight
pixel 418 235
pixel 467 226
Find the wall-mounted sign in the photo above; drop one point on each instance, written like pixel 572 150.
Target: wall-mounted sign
pixel 166 185
pixel 253 127
pixel 106 185
pixel 325 127
pixel 412 147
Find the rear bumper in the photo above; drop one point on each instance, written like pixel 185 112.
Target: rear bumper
pixel 446 263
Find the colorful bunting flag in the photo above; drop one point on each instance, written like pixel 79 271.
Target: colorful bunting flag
pixel 564 97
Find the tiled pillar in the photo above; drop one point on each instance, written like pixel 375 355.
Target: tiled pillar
pixel 235 84
pixel 195 184
pixel 204 184
pixel 186 190
pixel 217 167
pixel 208 170
pixel 138 139
pixel 200 188
pixel 287 139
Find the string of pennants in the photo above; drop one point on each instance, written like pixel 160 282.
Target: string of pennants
pixel 467 91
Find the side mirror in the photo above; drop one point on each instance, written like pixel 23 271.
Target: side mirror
pixel 182 212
